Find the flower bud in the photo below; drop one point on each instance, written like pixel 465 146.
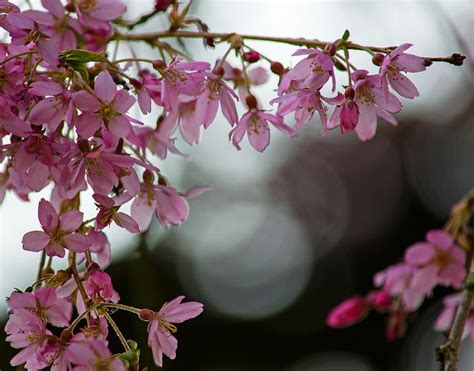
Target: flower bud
pixel 377 59
pixel 457 59
pixel 218 71
pixel 146 314
pixel 380 300
pixel 148 177
pixel 347 313
pixel 83 145
pixel 277 68
pixel 251 102
pixel 251 56
pixel 349 93
pixel 330 49
pixel 162 5
pixel 159 64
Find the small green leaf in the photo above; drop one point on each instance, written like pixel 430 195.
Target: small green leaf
pixel 346 35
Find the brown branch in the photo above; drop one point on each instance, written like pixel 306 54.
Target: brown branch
pixel 455 59
pixel 448 353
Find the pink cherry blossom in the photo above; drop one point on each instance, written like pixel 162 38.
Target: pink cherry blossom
pixel 95 14
pixel 103 359
pixel 180 77
pixel 106 109
pixel 439 261
pixel 255 124
pixel 67 351
pixel 28 332
pixel 446 317
pixel 108 212
pixel 169 205
pixel 161 328
pixel 396 62
pixel 371 103
pixel 59 232
pixel 397 280
pixel 311 72
pixel 44 303
pixel 347 313
pixel 55 108
pixel 215 93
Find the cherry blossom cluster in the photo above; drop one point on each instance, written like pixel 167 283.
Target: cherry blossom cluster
pixel 438 261
pixel 69 123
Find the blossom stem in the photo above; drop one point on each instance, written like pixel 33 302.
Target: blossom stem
pixel 75 274
pixel 117 332
pixel 348 65
pixel 123 307
pixel 149 37
pixel 41 266
pixel 133 60
pixel 16 56
pixel 73 325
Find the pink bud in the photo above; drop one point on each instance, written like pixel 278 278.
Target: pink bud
pixel 251 56
pixel 162 5
pixel 380 300
pixel 347 313
pixel 377 59
pixel 277 68
pixel 99 284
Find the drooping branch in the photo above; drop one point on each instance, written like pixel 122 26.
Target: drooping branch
pixel 448 353
pixel 455 59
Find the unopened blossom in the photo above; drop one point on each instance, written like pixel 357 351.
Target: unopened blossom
pixel 59 232
pixel 99 283
pixel 251 56
pixel 106 109
pixel 28 332
pixel 380 300
pixel 392 67
pixel 215 93
pixel 161 327
pixel 255 123
pixel 108 212
pixel 397 280
pixel 438 261
pixel 346 114
pixel 372 103
pixel 44 303
pixel 348 312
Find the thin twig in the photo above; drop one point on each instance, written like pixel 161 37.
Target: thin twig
pixel 148 37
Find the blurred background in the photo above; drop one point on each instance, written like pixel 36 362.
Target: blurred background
pixel 286 235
